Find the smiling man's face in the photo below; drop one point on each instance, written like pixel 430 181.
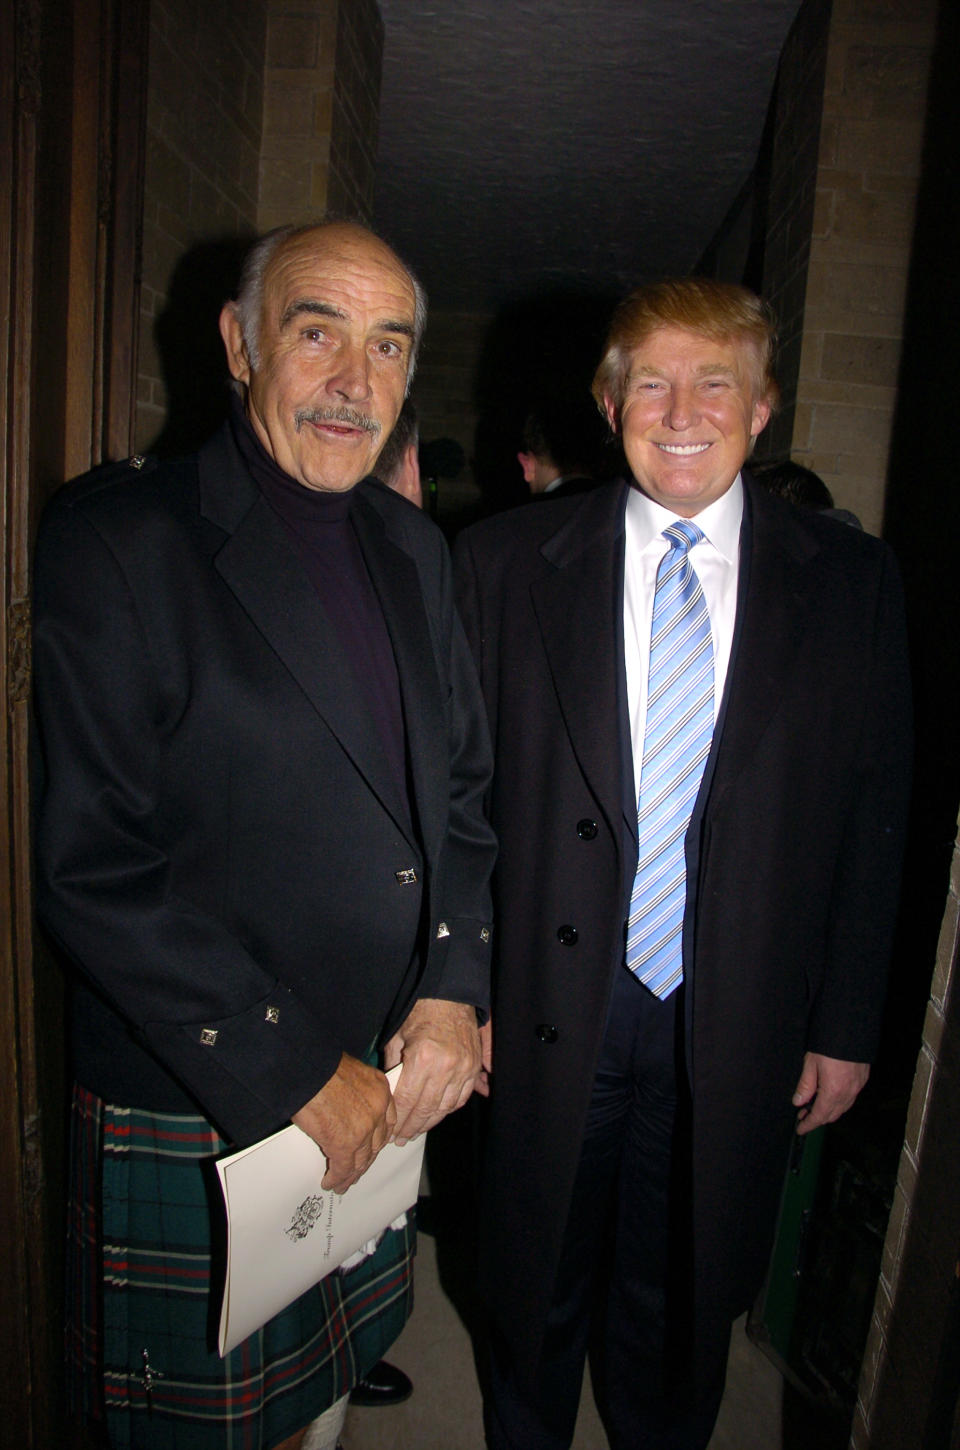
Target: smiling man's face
pixel 689 416
pixel 336 337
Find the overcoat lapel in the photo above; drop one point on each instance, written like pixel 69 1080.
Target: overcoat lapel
pixel 397 582
pixel 577 608
pixel 261 566
pixel 774 602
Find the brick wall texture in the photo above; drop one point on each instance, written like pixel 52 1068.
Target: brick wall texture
pixel 259 112
pixel 878 62
pixel 444 391
pixel 297 111
pixel 321 110
pixel 914 1301
pixel 356 109
pixel 791 194
pixel 445 380
pixel 204 116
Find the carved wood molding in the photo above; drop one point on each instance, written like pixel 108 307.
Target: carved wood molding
pixel 72 87
pixel 27 52
pixel 18 653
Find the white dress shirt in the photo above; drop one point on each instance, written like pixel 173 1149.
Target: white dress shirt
pixel 716 563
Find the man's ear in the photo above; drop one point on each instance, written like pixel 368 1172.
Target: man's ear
pixel 610 408
pixel 408 481
pixel 232 333
pixel 529 465
pixel 761 417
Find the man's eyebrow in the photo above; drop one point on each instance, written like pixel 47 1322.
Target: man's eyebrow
pixel 645 370
pixel 724 369
pixel 406 329
pixel 311 307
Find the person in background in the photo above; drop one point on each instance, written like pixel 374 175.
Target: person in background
pixel 399 464
pixel 803 487
pixel 560 448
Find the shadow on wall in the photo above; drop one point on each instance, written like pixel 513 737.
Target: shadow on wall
pixel 538 350
pixel 188 341
pixel 922 524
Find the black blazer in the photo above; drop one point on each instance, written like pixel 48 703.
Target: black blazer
pixel 218 833
pixel 793 858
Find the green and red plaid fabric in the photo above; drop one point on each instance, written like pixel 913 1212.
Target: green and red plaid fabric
pixel 145 1256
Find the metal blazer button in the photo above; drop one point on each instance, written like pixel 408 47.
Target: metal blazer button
pixel 546 1033
pixel 567 935
pixel 586 830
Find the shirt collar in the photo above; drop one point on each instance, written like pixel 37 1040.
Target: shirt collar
pixel 720 521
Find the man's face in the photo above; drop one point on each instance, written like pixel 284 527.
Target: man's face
pixel 336 336
pixel 689 415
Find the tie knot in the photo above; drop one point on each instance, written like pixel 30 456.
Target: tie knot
pixel 683 535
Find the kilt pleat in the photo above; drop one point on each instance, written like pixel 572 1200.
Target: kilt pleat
pixel 144 1298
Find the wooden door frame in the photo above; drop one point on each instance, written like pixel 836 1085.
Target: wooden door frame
pixel 72 128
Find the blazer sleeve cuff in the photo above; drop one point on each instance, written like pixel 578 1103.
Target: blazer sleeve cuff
pixel 252 1071
pixel 459 963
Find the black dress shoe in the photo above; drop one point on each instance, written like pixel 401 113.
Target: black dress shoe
pixel 382 1385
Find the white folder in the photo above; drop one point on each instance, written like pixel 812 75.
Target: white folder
pixel 285 1232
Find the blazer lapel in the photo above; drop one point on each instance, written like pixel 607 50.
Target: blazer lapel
pixel 578 610
pixel 260 565
pixel 397 583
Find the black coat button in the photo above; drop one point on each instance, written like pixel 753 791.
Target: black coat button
pixel 546 1033
pixel 567 935
pixel 586 830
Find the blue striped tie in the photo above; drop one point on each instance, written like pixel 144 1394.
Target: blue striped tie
pixel 676 743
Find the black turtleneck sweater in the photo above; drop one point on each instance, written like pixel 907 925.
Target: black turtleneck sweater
pixel 320 526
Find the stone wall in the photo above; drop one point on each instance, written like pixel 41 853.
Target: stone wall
pixel 871 135
pixel 911 1374
pixel 297 111
pixel 789 189
pixel 321 110
pixel 356 109
pixel 908 1378
pixel 444 391
pixel 444 385
pixel 204 112
pixel 259 112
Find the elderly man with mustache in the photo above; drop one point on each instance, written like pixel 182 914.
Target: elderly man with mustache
pixel 260 843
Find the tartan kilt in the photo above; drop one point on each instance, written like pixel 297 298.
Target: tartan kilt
pixel 145 1258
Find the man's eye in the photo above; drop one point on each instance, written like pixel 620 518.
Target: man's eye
pixel 386 348
pixel 313 334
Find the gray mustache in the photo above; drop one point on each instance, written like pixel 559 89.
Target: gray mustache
pixel 351 416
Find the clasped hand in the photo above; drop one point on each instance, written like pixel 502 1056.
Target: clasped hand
pixel 354 1114
pixel 351 1118
pixel 439 1046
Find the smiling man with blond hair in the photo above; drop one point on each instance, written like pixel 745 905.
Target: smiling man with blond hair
pixel 701 696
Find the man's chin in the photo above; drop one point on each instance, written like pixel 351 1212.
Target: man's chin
pixel 334 467
pixel 331 483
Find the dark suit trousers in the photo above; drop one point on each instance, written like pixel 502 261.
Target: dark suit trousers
pixel 620 1286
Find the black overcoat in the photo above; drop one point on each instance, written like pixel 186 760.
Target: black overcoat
pixel 218 831
pixel 793 857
